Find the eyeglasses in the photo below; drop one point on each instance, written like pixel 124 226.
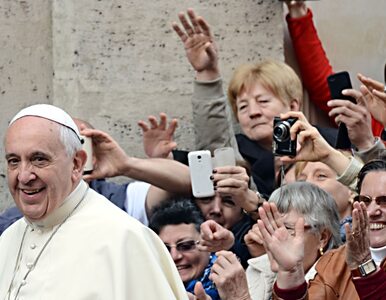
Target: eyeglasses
pixel 380 200
pixel 183 246
pixel 291 230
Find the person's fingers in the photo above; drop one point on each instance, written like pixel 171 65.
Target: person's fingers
pixel 267 219
pixel 188 28
pixel 204 27
pixel 371 83
pixel 162 121
pixel 143 126
pixel 173 124
pixel 206 229
pixel 183 36
pixel 231 170
pixel 200 293
pixel 276 215
pixel 193 20
pixel 299 228
pixel 380 95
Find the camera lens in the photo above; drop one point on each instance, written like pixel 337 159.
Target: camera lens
pixel 281 132
pixel 199 157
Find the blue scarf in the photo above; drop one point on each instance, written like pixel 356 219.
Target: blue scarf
pixel 208 285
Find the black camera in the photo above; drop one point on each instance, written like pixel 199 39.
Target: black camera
pixel 282 143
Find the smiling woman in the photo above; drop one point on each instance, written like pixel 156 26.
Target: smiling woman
pixel 177 223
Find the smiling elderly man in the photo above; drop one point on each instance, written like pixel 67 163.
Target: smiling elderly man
pixel 72 242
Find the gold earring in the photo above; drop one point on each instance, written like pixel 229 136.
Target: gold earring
pixel 321 251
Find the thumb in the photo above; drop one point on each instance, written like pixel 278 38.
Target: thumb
pixel 200 292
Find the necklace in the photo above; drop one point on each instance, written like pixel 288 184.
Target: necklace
pixel 18 259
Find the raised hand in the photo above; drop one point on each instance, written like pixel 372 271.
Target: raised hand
pixel 356 117
pixel 357 237
pixel 285 249
pixel 254 241
pixel 375 97
pixel 158 137
pixel 296 9
pixel 229 276
pixel 199 44
pixel 214 237
pixel 109 156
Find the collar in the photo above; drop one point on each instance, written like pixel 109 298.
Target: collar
pixel 378 254
pixel 58 215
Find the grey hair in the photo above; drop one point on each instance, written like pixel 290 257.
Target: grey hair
pixel 70 140
pixel 317 207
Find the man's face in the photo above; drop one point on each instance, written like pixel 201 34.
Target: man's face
pixel 190 264
pixel 220 209
pixel 373 185
pixel 40 174
pixel 256 109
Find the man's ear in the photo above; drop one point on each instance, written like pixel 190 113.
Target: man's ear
pixel 79 161
pixel 295 105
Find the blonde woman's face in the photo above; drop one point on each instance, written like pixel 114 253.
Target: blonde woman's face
pixel 256 109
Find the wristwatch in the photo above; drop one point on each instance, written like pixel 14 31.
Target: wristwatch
pixel 364 269
pixel 260 203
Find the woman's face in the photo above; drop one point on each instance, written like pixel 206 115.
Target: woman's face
pixel 374 185
pixel 190 263
pixel 312 240
pixel 324 177
pixel 256 109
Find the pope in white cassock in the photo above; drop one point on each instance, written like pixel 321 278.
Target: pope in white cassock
pixel 72 242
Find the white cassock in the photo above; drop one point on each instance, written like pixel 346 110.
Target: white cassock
pixel 99 252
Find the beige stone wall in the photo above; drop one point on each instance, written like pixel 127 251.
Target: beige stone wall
pixel 25 64
pixel 115 62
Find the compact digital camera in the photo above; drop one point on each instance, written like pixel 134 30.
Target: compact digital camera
pixel 282 143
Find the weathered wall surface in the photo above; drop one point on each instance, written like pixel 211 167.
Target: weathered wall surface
pixel 115 62
pixel 25 64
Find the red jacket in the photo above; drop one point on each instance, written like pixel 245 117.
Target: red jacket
pixel 313 63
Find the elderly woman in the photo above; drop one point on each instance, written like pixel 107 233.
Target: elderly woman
pixel 321 232
pixel 353 271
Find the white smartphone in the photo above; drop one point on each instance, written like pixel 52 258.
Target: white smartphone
pixel 200 166
pixel 87 146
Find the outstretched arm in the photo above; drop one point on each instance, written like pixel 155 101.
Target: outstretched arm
pixel 210 110
pixel 313 62
pixel 111 161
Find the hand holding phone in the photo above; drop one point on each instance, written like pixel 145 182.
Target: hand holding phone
pixel 337 83
pixel 201 168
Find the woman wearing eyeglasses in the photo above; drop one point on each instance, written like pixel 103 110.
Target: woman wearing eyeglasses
pixel 177 223
pixel 356 270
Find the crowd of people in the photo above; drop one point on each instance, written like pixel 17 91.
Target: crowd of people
pixel 307 226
